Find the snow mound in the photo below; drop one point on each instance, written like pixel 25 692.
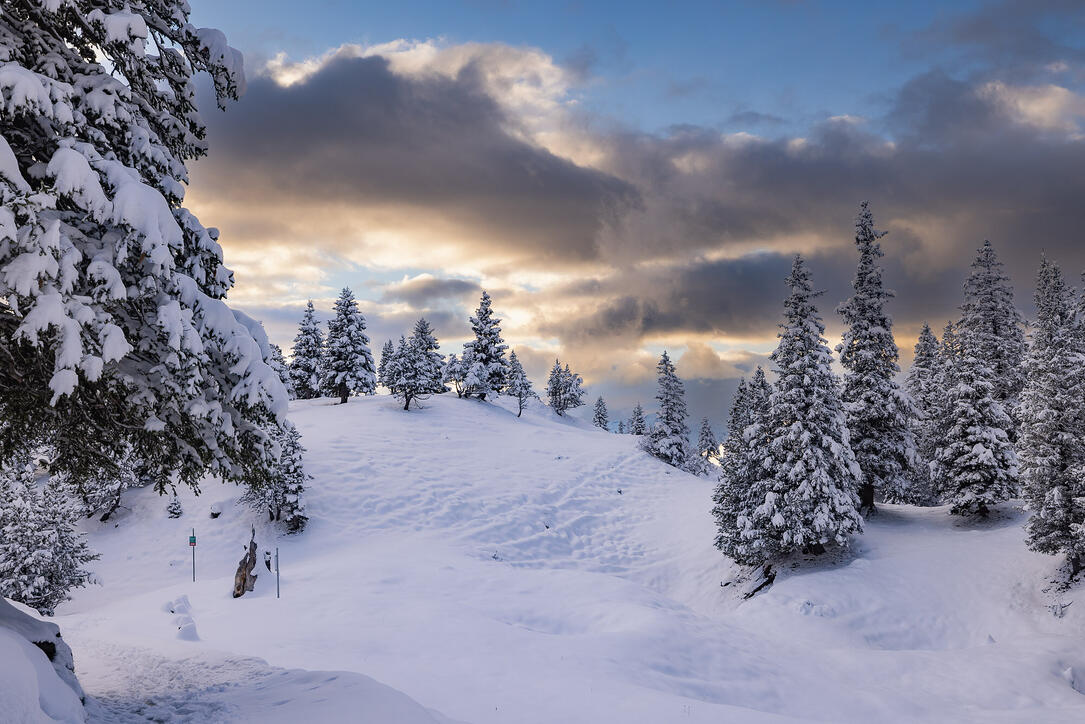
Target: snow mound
pixel 37 675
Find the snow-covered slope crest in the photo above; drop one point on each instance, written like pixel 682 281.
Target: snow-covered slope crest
pixel 37 675
pixel 536 570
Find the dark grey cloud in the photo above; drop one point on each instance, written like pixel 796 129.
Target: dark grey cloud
pixel 356 133
pixel 734 298
pixel 424 292
pixel 1016 38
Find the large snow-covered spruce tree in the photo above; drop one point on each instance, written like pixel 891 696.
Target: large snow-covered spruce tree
pixel 1051 436
pixel 668 438
pixel 114 331
pixel 745 451
pixel 348 362
pixel 485 355
pixel 975 465
pixel 877 412
pixel 941 417
pixel 415 370
pixel 519 386
pixel 308 356
pixel 807 500
pixel 927 397
pixel 992 323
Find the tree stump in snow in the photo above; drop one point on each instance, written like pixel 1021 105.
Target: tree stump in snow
pixel 245 579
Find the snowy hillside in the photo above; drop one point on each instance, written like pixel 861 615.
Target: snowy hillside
pixel 496 569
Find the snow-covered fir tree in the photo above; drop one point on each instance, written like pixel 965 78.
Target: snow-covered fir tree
pixel 488 368
pixel 945 380
pixel 708 448
pixel 281 496
pixel 453 373
pixel 306 365
pixel 1051 436
pixel 621 427
pixel 41 553
pixel 975 464
pixel 927 398
pixel 348 363
pixel 415 370
pixel 808 499
pixel 388 351
pixel 638 425
pixel 877 412
pixel 599 414
pixel 278 363
pixel 741 466
pixel 115 332
pixel 519 386
pixel 563 388
pixel 174 509
pixel 668 439
pixel 992 322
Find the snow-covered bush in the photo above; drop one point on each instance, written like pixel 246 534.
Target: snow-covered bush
pixel 519 386
pixel 563 388
pixel 41 554
pixel 281 496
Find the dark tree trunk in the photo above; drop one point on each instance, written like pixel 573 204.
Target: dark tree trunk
pixel 343 393
pixel 406 402
pixel 866 499
pixel 815 549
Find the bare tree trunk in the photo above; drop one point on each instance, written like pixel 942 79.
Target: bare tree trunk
pixel 866 499
pixel 245 579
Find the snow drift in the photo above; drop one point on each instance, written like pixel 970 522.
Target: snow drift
pixel 37 674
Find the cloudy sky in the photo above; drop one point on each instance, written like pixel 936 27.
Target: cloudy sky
pixel 631 177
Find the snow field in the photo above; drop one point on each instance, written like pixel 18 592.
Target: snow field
pixel 488 567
